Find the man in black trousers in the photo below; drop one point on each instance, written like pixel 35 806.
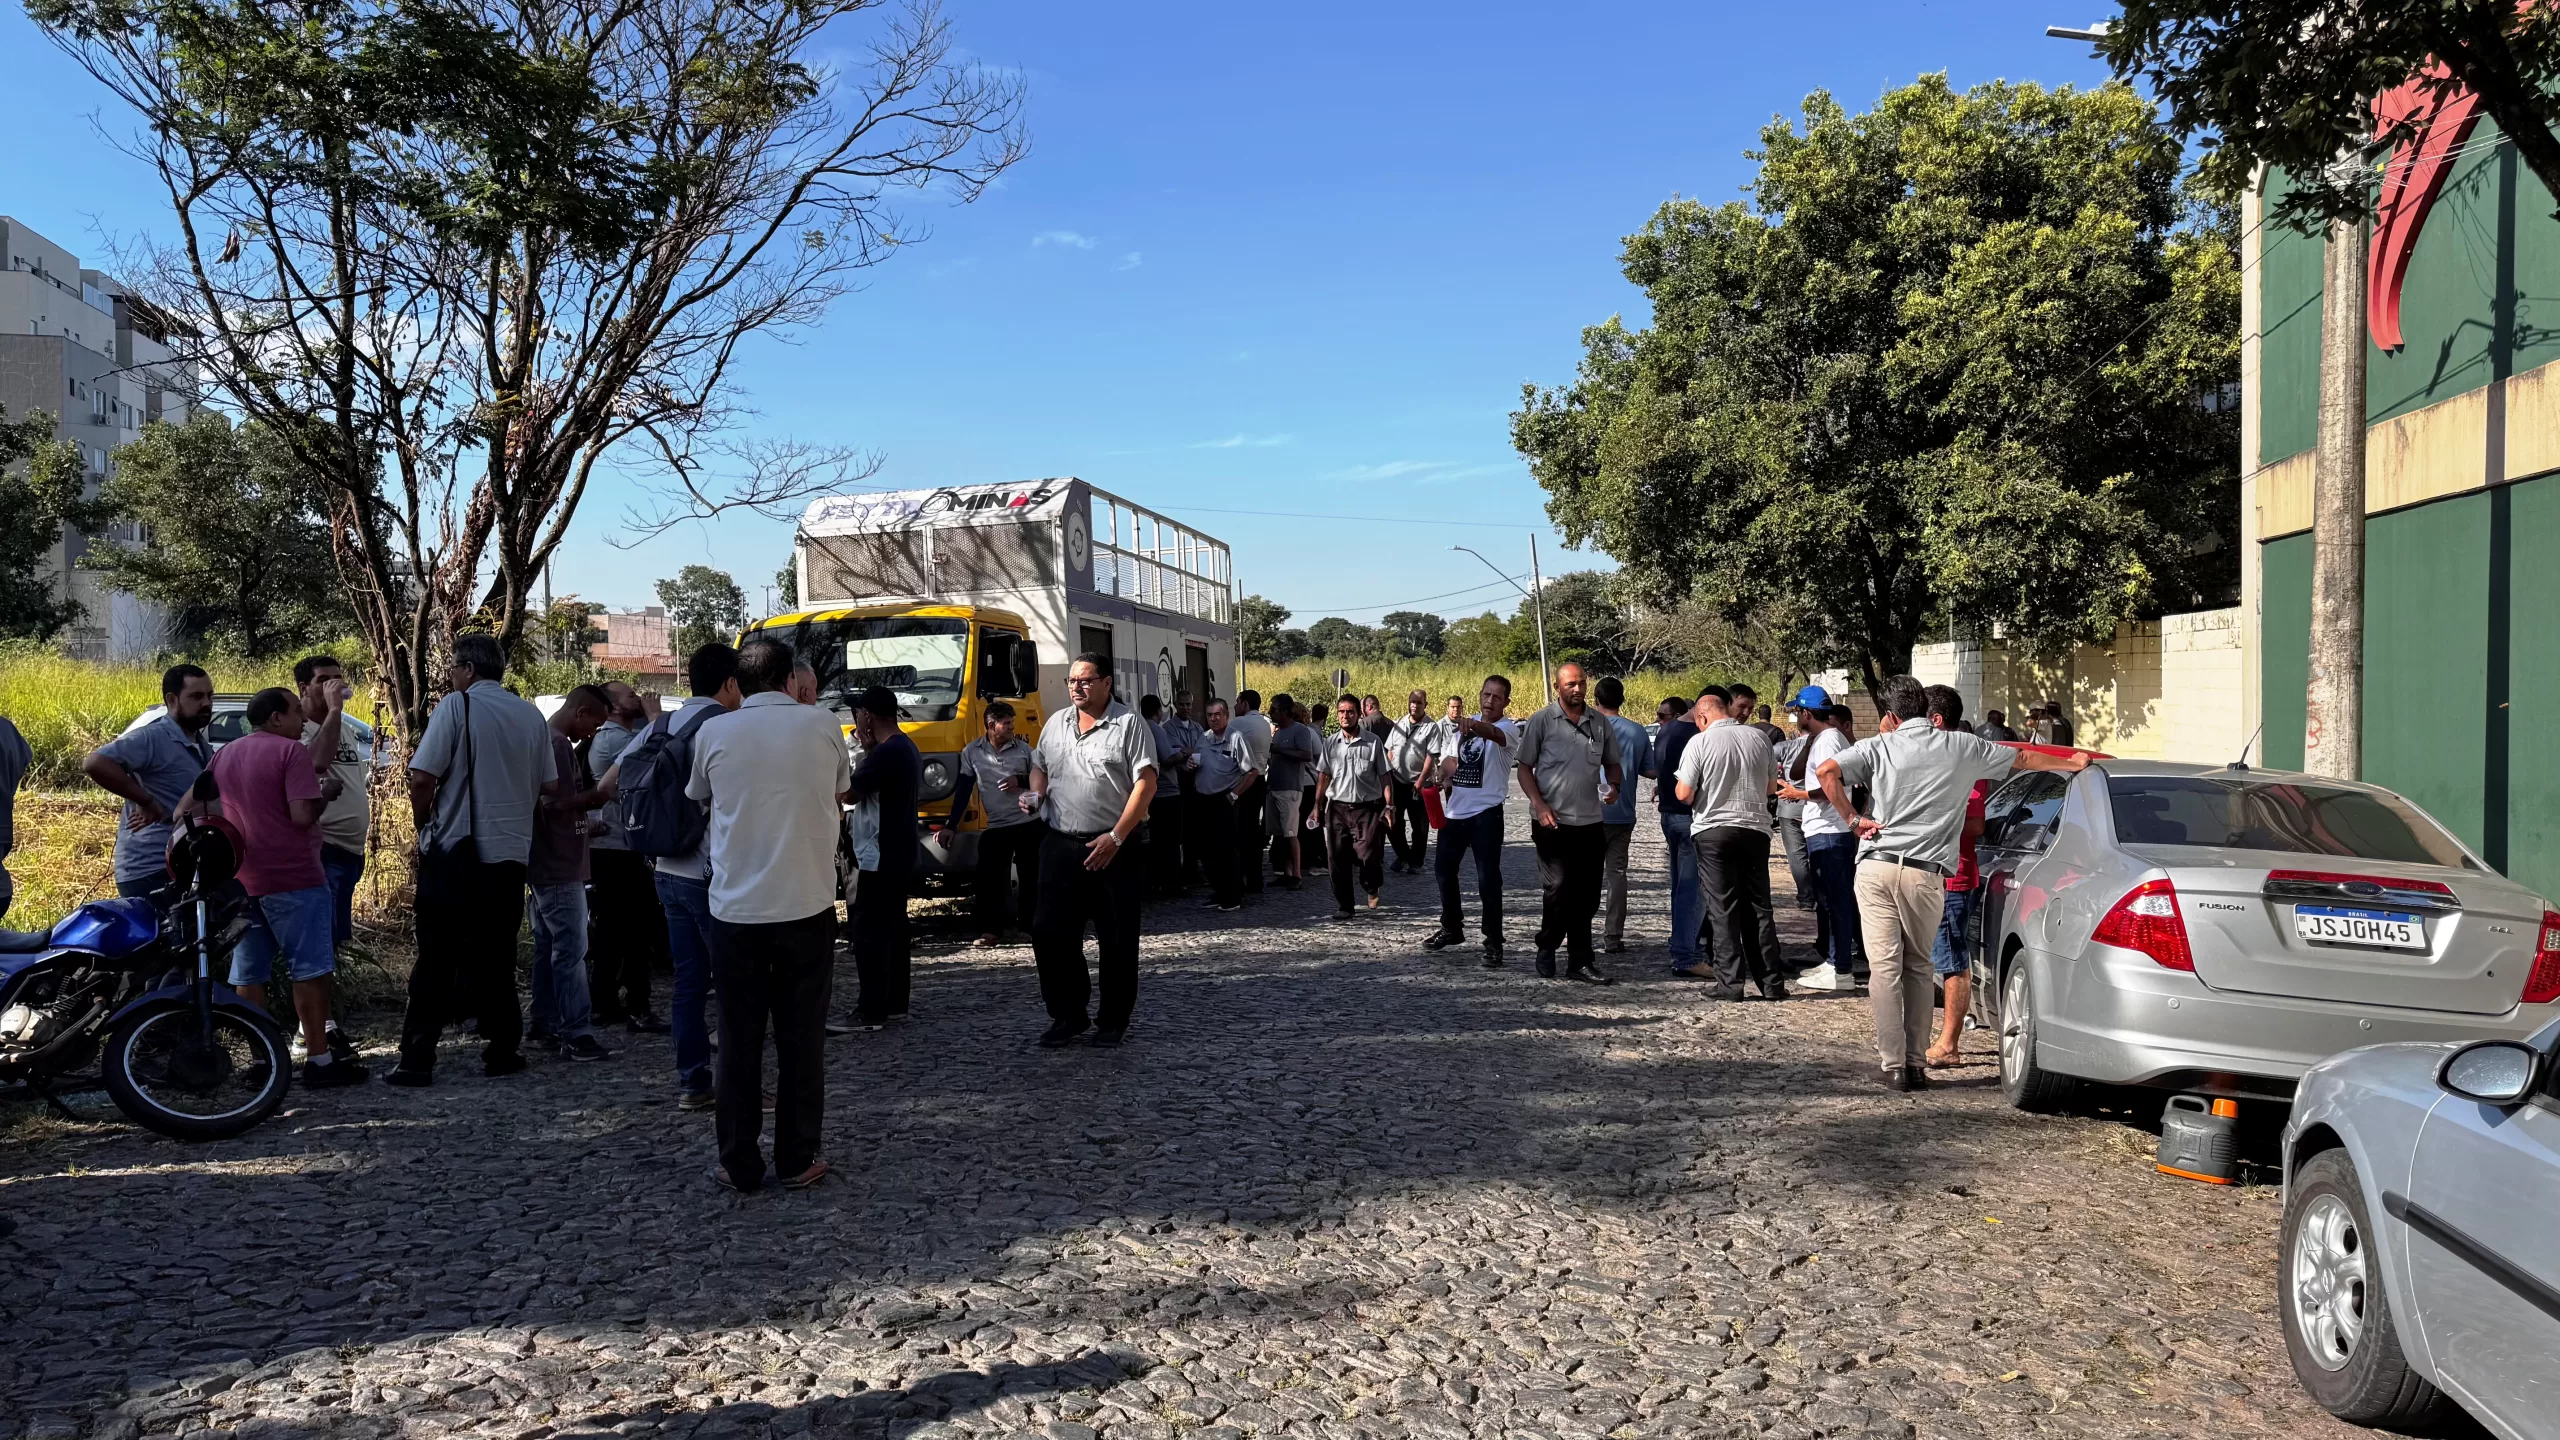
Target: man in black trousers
pixel 772 777
pixel 1726 776
pixel 890 774
pixel 1094 776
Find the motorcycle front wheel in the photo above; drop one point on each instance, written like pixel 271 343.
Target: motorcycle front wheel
pixel 165 1076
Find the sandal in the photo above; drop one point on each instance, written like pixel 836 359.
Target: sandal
pixel 1946 1060
pixel 816 1172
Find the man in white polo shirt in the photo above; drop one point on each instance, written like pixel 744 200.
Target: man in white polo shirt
pixel 1093 776
pixel 772 776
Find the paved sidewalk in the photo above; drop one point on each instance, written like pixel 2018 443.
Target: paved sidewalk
pixel 1332 1187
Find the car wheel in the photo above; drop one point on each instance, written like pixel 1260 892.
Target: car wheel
pixel 2338 1325
pixel 2027 1083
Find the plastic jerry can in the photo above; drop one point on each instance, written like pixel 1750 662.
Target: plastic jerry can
pixel 2199 1140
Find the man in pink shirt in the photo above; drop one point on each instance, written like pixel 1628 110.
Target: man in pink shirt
pixel 271 791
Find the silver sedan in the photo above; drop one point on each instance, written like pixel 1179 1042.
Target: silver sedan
pixel 2419 1261
pixel 2224 930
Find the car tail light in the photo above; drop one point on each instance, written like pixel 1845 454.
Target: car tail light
pixel 2147 919
pixel 2543 985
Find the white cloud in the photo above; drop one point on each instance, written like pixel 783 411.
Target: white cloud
pixel 1418 472
pixel 1068 238
pixel 1242 442
pixel 1132 260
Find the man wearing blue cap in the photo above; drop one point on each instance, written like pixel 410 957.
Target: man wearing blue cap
pixel 1831 846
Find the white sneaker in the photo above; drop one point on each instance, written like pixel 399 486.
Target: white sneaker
pixel 1822 977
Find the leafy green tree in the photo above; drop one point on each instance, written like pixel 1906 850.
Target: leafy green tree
pixel 704 605
pixel 1957 361
pixel 2289 83
pixel 460 255
pixel 1338 639
pixel 1482 642
pixel 1292 644
pixel 41 480
pixel 1417 633
pixel 237 546
pixel 786 585
pixel 1258 623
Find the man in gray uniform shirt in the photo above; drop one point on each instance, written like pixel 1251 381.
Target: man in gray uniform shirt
pixel 1351 795
pixel 1920 777
pixel 1570 770
pixel 1094 772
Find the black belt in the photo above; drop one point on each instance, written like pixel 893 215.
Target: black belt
pixel 1907 863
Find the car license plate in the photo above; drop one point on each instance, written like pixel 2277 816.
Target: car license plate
pixel 2373 929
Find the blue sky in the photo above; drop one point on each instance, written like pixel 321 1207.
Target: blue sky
pixel 1296 258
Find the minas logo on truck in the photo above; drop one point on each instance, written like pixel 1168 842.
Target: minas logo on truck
pixel 951 500
pixel 909 508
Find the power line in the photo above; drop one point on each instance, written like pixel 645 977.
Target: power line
pixel 1364 519
pixel 1423 599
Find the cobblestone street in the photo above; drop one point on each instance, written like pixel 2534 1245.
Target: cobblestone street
pixel 1333 1186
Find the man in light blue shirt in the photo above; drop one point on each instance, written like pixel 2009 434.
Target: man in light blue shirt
pixel 1618 814
pixel 153 765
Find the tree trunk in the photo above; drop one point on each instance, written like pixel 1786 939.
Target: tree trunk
pixel 2333 723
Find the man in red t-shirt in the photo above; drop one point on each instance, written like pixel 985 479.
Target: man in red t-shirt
pixel 271 791
pixel 1952 956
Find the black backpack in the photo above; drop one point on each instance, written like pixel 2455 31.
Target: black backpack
pixel 658 818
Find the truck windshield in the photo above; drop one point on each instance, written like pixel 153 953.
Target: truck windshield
pixel 2240 814
pixel 922 660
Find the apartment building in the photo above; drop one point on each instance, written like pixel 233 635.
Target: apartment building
pixel 76 345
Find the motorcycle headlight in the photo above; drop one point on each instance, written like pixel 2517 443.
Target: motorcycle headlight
pixel 940 772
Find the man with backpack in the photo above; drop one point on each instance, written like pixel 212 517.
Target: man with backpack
pixel 660 822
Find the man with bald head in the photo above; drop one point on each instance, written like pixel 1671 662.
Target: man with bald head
pixel 1570 768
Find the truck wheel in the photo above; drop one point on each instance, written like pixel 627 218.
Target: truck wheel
pixel 2338 1325
pixel 2027 1083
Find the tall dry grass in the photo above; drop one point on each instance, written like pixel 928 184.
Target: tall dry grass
pixel 67 708
pixel 1311 680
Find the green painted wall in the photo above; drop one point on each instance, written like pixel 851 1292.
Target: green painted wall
pixel 2462 666
pixel 2457 339
pixel 2284 665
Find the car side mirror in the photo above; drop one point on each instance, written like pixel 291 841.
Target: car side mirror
pixel 2493 1072
pixel 1026 667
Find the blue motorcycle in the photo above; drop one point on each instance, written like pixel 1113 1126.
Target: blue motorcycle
pixel 135 992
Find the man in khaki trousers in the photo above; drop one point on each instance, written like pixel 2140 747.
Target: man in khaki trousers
pixel 1919 777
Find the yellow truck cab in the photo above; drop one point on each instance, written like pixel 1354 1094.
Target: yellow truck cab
pixel 960 596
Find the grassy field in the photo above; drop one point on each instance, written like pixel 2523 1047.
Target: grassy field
pixel 67 708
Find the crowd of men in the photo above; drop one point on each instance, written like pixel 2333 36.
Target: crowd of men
pixel 718 834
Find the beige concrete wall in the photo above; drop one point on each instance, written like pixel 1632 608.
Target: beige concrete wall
pixel 2167 690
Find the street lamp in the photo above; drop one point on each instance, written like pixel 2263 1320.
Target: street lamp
pixel 1537 608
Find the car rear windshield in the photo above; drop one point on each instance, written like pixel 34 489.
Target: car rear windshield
pixel 2235 813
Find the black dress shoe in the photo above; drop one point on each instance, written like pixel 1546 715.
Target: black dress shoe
pixel 1915 1077
pixel 1493 957
pixel 1585 975
pixel 649 1024
pixel 1546 964
pixel 1724 992
pixel 1059 1037
pixel 1895 1080
pixel 1775 990
pixel 1442 939
pixel 1108 1038
pixel 496 1065
pixel 408 1078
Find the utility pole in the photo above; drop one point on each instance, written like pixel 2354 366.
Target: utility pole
pixel 2333 711
pixel 1538 611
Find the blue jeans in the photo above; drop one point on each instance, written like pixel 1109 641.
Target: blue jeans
pixel 1687 901
pixel 344 868
pixel 1834 861
pixel 1951 956
pixel 294 923
pixel 561 1007
pixel 688 907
